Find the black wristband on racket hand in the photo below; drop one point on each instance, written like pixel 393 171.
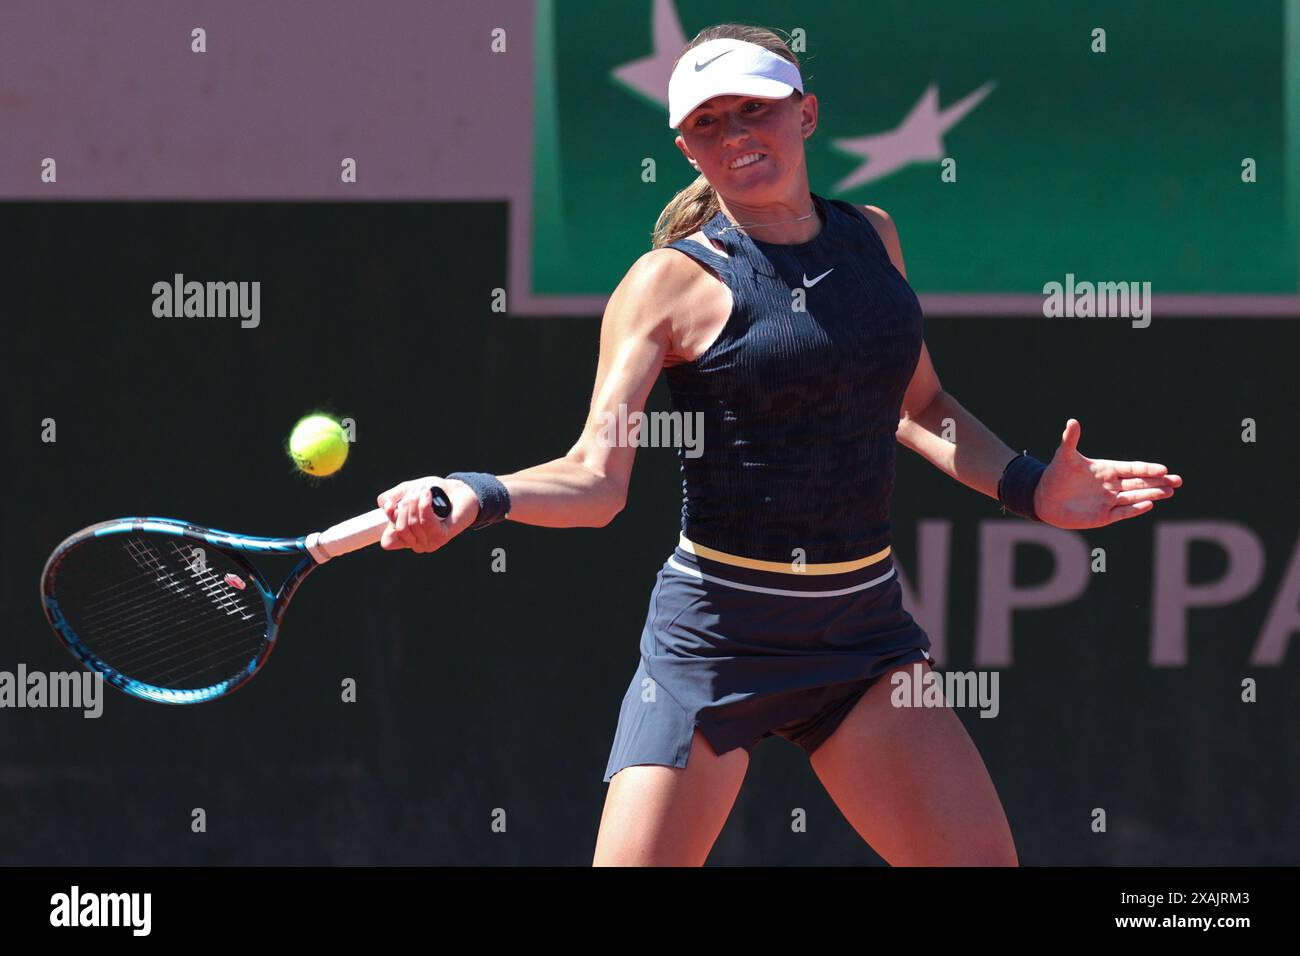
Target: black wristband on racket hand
pixel 1017 485
pixel 493 499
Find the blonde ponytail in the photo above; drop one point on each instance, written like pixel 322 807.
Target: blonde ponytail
pixel 685 213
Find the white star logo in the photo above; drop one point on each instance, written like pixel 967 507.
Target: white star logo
pixel 649 75
pixel 918 139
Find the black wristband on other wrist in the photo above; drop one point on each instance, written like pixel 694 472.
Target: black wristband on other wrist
pixel 1017 485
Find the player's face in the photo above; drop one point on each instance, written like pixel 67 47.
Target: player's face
pixel 723 134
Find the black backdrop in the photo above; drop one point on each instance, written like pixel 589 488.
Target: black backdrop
pixel 482 691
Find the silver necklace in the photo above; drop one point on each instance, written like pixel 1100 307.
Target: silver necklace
pixel 779 222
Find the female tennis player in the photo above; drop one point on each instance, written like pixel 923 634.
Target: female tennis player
pixel 785 321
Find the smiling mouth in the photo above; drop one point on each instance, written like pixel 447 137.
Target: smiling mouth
pixel 749 159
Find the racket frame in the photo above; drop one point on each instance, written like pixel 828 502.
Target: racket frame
pixel 234 546
pixel 317 548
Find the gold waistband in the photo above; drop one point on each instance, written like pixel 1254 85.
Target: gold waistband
pixel 781 567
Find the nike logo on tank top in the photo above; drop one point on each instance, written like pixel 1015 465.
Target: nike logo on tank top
pixel 800 408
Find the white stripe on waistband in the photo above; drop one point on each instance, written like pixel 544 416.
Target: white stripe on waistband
pixel 782 591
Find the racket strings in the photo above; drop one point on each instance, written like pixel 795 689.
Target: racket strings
pixel 165 579
pixel 183 630
pixel 112 591
pixel 154 655
pixel 163 612
pixel 156 644
pixel 143 596
pixel 131 604
pixel 137 601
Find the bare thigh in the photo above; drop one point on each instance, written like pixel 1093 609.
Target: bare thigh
pixel 911 782
pixel 669 816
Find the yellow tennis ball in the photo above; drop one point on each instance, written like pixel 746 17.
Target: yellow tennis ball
pixel 318 445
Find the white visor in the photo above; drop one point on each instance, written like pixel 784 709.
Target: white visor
pixel 728 68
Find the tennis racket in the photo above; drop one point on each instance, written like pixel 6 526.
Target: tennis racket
pixel 176 613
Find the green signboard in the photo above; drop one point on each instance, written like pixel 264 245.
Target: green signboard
pixel 1128 165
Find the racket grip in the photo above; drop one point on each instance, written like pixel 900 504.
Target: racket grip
pixel 362 531
pixel 441 503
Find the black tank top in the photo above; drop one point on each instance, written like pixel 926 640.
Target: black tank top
pixel 800 408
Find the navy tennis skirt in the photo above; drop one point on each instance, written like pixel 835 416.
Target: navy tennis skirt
pixel 744 653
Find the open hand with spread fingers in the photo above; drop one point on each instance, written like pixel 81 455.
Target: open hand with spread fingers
pixel 1080 492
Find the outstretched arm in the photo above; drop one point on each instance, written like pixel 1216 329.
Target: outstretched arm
pixel 1074 492
pixel 588 486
